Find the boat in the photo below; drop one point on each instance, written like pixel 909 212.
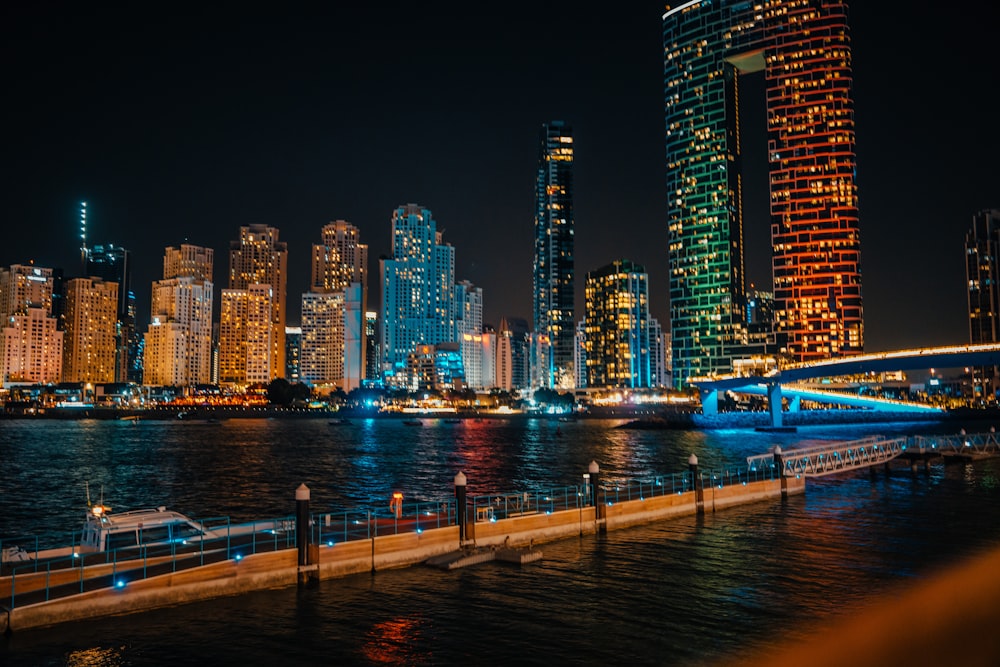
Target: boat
pixel 413 422
pixel 104 531
pixel 339 422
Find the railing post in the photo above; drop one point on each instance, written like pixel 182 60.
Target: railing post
pixel 302 523
pixel 779 463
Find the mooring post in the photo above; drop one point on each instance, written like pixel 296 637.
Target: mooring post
pixel 595 483
pixel 779 464
pixel 460 505
pixel 302 523
pixel 696 485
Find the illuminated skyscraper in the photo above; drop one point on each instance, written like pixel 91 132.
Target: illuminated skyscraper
pixel 332 343
pixel 91 328
pixel 418 288
pixel 982 272
pixel 803 48
pixel 113 263
pixel 178 341
pixel 246 336
pixel 31 347
pixel 256 259
pixel 616 327
pixel 553 294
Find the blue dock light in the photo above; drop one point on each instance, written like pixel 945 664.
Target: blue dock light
pixel 419 530
pixel 238 557
pixel 120 583
pixel 329 543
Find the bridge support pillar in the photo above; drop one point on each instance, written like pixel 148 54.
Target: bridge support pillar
pixel 774 403
pixel 709 401
pixel 794 404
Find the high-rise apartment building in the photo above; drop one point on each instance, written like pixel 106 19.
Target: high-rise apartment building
pixel 246 336
pixel 982 272
pixel 553 269
pixel 418 289
pixel 113 263
pixel 30 342
pixel 503 363
pixel 332 345
pixel 469 327
pixel 258 259
pixel 91 328
pixel 616 327
pixel 178 341
pixel 803 48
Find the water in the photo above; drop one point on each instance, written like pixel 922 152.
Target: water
pixel 687 591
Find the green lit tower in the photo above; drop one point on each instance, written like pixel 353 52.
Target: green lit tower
pixel 553 288
pixel 803 49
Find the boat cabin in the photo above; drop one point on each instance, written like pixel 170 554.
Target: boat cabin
pixel 104 531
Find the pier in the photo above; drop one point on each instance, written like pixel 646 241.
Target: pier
pixel 461 530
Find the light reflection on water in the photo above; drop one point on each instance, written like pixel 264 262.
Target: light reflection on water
pixel 675 592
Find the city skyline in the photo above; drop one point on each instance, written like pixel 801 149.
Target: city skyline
pixel 175 133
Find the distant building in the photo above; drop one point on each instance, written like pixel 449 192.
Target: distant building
pixel 177 346
pixel 982 271
pixel 804 51
pixel 372 358
pixel 418 290
pixel 31 344
pixel 245 337
pixel 553 267
pixel 616 328
pixel 113 263
pixel 89 342
pixel 256 259
pixel 469 326
pixel 333 345
pixel 293 347
pixel 504 362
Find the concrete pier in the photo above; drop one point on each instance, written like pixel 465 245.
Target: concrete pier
pixel 507 540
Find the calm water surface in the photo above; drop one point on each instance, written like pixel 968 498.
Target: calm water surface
pixel 687 591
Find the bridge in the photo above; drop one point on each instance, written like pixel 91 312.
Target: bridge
pixel 787 381
pixel 835 457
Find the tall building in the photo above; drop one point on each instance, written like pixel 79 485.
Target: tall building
pixel 246 332
pixel 803 48
pixel 178 341
pixel 469 327
pixel 90 337
pixel 616 327
pixel 321 352
pixel 418 288
pixel 332 347
pixel 113 263
pixel 553 286
pixel 293 349
pixel 372 361
pixel 257 259
pixel 504 363
pixel 30 342
pixel 982 272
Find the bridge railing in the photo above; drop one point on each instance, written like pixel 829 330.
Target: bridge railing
pixel 980 443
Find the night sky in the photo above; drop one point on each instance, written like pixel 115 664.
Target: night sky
pixel 180 125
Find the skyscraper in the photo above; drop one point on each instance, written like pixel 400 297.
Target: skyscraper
pixel 31 346
pixel 178 341
pixel 616 327
pixel 91 328
pixel 259 258
pixel 803 48
pixel 418 288
pixel 113 263
pixel 982 271
pixel 553 286
pixel 332 343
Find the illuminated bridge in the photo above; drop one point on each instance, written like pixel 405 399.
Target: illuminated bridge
pixel 787 381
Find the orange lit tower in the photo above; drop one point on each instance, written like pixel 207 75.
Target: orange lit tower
pixel 803 48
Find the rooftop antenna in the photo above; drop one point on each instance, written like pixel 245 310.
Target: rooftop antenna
pixel 83 236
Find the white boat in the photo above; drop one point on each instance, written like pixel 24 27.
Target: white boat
pixel 104 531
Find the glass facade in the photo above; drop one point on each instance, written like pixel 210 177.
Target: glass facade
pixel 616 328
pixel 553 262
pixel 803 49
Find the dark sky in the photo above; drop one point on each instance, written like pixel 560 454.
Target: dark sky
pixel 181 124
